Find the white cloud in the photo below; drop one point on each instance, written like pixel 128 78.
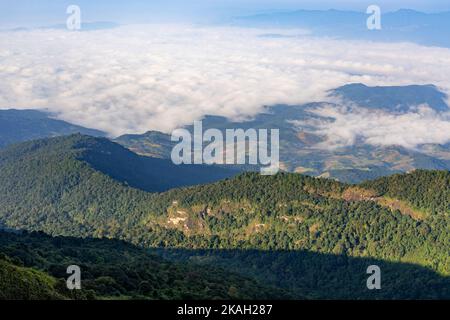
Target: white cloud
pixel 159 77
pixel 344 126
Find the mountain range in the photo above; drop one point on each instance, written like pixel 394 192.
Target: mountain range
pixel 269 229
pixel 358 207
pixel 299 150
pixel 299 141
pixel 141 227
pixel 431 29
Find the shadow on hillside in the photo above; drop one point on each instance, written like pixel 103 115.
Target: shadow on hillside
pixel 322 276
pixel 147 173
pixel 299 274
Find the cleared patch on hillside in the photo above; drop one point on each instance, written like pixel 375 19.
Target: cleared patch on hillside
pixel 403 207
pixel 361 194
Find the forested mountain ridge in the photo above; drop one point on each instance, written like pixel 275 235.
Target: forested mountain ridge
pixel 294 212
pixel 115 161
pixel 428 190
pixel 44 187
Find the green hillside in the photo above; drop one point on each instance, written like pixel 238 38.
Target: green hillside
pixel 425 190
pixel 294 212
pixel 48 185
pixel 19 283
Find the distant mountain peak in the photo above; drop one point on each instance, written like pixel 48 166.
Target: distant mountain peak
pixel 408 11
pixel 23 125
pixel 393 98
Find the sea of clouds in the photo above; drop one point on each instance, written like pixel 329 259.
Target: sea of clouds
pixel 344 126
pixel 133 79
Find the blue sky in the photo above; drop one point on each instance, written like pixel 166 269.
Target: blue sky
pixel 14 13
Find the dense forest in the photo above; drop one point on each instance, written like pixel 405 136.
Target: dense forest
pixel 34 265
pixel 311 275
pixel 57 186
pixel 427 190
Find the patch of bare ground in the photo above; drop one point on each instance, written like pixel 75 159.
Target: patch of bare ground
pixel 402 206
pixel 360 194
